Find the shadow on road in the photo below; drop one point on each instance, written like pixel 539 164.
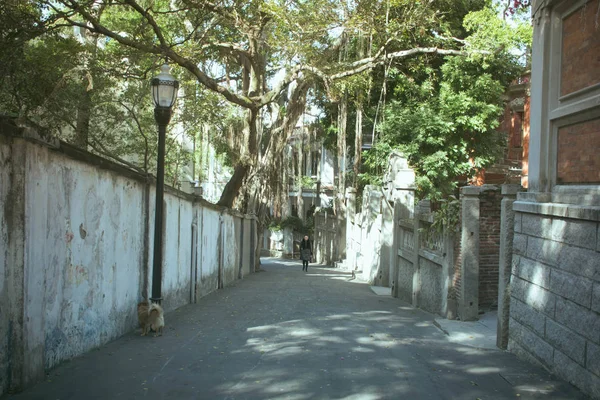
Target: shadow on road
pixel 288 334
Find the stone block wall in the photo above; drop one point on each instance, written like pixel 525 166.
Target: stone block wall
pixel 555 293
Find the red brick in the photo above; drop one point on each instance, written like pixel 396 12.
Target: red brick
pixel 581 46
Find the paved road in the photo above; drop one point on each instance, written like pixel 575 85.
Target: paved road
pixel 287 334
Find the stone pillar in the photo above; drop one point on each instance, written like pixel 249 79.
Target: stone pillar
pixel 288 242
pixel 540 141
pixel 507 225
pixel 416 281
pixel 374 242
pixel 395 247
pixel 469 299
pixel 448 307
pixel 387 242
pixel 350 221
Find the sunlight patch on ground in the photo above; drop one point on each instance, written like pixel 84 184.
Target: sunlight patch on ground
pixel 362 396
pixel 332 276
pixel 362 350
pixel 287 351
pixel 367 313
pixel 423 325
pixel 471 351
pixel 484 370
pixel 304 332
pixel 465 336
pixel 339 329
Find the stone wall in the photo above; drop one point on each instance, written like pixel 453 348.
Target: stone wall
pixel 75 253
pixel 555 282
pixel 393 242
pixel 555 291
pixel 6 279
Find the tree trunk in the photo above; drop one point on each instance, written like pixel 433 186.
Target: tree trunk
pixel 358 143
pixel 300 202
pixel 341 142
pixel 232 188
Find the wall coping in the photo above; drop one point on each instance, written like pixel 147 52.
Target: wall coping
pixel 477 190
pixel 589 213
pixel 10 130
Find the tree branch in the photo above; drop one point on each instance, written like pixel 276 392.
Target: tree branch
pixel 231 47
pixel 157 31
pixel 163 50
pixel 103 151
pixel 371 62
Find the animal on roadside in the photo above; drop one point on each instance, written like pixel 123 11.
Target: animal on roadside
pixel 156 319
pixel 144 316
pixel 151 317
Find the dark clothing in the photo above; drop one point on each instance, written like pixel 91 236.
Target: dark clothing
pixel 305 250
pixel 305 253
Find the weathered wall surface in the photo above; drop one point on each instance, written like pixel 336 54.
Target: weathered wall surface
pixel 394 243
pixel 84 248
pixel 329 244
pixel 430 295
pixel 230 257
pixel 208 265
pixel 177 251
pixel 74 269
pixel 5 178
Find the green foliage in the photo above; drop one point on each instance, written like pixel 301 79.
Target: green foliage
pixel 295 223
pixel 445 119
pixel 447 217
pixel 307 182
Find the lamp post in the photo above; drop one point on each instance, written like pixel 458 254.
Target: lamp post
pixel 164 94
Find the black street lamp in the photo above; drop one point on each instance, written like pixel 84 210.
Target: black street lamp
pixel 164 94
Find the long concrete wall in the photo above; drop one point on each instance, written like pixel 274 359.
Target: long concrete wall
pixel 76 235
pixel 5 279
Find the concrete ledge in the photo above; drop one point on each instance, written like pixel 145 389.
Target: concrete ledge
pixel 589 213
pixel 431 256
pixel 381 291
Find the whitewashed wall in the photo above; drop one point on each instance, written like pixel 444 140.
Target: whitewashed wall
pixel 81 258
pixel 83 252
pixel 5 326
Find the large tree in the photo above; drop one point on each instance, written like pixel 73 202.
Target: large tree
pixel 261 57
pixel 234 48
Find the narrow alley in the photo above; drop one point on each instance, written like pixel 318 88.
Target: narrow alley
pixel 287 334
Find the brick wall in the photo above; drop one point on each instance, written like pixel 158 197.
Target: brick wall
pixel 555 296
pixel 581 46
pixel 515 124
pixel 578 145
pixel 525 143
pixel 489 246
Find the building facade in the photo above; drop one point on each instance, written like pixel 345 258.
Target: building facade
pixel 555 282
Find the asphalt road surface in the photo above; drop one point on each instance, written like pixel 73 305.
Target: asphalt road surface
pixel 288 334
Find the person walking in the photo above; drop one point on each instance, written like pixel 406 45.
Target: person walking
pixel 305 252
